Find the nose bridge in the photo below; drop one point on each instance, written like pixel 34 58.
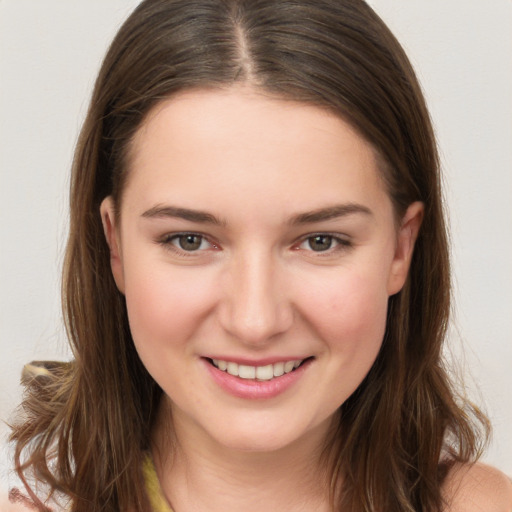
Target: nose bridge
pixel 256 307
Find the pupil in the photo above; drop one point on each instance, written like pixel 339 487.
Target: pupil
pixel 190 242
pixel 320 242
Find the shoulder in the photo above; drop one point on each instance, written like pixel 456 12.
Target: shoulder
pixel 10 505
pixel 477 488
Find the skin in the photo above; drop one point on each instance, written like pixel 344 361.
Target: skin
pixel 253 288
pixel 477 488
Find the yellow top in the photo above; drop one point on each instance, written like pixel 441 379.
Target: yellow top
pixel 156 496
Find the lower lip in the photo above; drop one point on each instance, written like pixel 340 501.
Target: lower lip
pixel 256 389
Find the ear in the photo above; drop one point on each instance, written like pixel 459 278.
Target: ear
pixel 407 235
pixel 111 230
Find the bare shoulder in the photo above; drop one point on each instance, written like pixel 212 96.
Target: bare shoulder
pixel 477 488
pixel 15 501
pixel 8 506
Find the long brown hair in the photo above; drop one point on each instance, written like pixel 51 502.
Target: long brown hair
pixel 87 423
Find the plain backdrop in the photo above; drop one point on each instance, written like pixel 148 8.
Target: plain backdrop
pixel 50 53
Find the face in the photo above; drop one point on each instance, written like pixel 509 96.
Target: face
pixel 257 248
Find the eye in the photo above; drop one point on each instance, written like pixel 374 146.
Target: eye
pixel 323 242
pixel 187 242
pixel 320 243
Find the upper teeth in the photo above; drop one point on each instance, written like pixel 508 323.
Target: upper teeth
pixel 266 372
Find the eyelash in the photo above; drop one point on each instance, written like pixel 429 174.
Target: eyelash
pixel 340 244
pixel 167 242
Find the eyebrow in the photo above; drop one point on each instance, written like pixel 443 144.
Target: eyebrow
pixel 160 211
pixel 329 213
pixel 322 214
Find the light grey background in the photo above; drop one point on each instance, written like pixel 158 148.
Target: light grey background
pixel 50 53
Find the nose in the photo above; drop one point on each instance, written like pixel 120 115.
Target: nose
pixel 255 308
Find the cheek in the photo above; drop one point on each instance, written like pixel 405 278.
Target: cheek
pixel 165 305
pixel 349 316
pixel 349 312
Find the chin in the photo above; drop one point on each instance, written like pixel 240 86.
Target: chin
pixel 251 442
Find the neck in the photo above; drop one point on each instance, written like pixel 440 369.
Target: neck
pixel 197 474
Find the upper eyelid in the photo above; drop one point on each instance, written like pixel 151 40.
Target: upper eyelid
pixel 168 237
pixel 174 234
pixel 336 236
pixel 340 245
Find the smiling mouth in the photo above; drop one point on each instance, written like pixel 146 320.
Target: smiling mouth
pixel 262 373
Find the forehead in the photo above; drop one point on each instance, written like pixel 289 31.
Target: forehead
pixel 212 115
pixel 242 140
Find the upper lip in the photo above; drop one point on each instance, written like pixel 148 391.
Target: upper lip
pixel 257 362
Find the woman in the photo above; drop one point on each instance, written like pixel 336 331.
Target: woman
pixel 257 279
